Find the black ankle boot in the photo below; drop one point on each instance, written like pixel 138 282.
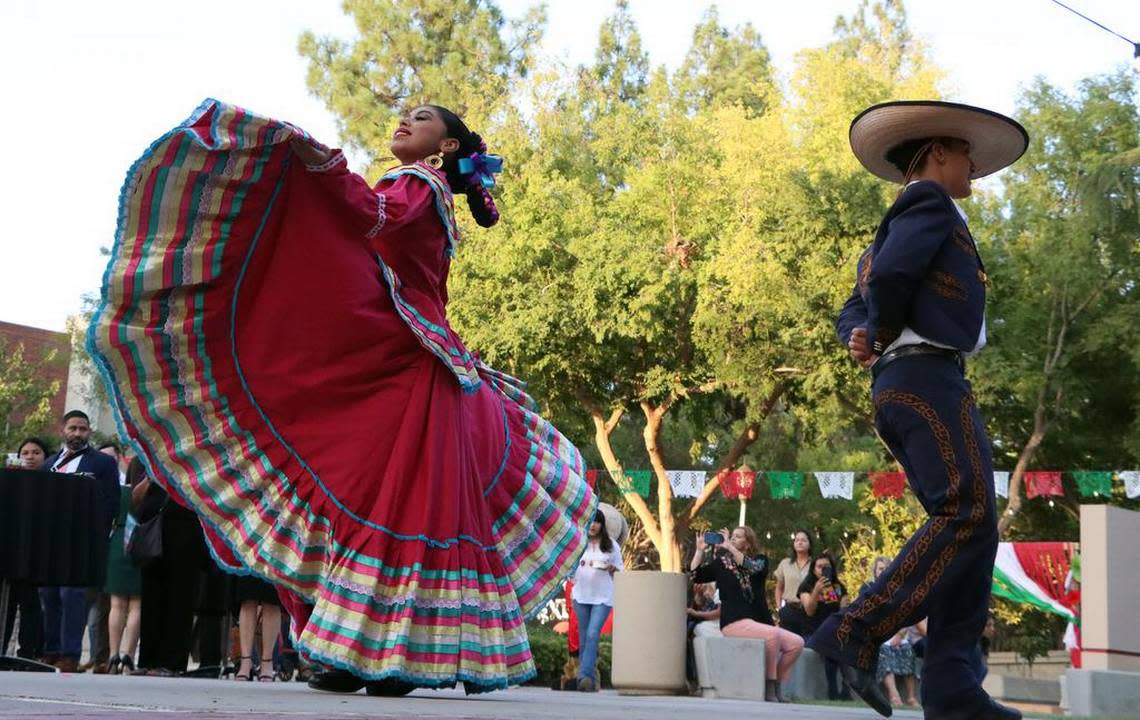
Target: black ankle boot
pixel 388 687
pixel 864 684
pixel 338 681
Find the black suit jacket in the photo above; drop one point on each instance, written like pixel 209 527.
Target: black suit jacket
pixel 105 472
pixel 923 271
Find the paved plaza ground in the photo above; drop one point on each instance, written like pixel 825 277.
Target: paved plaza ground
pixel 102 697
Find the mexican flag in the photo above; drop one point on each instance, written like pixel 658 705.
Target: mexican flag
pixel 1034 574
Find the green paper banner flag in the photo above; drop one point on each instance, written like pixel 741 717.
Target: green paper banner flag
pixel 1094 483
pixel 634 481
pixel 785 485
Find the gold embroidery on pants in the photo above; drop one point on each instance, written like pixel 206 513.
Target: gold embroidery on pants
pixel 927 534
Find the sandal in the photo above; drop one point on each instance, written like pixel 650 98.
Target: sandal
pixel 262 677
pixel 249 675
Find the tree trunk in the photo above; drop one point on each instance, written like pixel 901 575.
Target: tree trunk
pixel 669 549
pixel 603 428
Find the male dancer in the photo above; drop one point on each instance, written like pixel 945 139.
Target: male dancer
pixel 917 311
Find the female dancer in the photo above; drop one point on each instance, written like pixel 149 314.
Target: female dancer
pixel 273 332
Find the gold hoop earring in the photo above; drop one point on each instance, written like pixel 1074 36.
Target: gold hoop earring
pixel 435 161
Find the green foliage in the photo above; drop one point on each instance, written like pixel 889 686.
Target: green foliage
pixel 1062 362
pixel 684 241
pixel 890 524
pixel 25 399
pixel 461 54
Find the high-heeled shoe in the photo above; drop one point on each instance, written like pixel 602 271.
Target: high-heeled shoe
pixel 248 676
pixel 127 663
pixel 114 666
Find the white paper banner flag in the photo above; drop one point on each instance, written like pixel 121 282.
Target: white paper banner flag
pixel 836 484
pixel 1001 483
pixel 687 483
pixel 1131 480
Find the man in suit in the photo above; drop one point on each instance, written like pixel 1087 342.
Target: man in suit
pixel 916 313
pixel 65 608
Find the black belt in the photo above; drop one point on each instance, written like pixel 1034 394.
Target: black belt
pixel 920 349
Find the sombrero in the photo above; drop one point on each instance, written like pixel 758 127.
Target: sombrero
pixel 996 141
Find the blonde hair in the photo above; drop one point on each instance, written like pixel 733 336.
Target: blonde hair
pixel 750 536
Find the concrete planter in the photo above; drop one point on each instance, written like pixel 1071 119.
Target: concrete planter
pixel 649 632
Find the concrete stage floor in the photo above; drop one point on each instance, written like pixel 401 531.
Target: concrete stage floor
pixel 45 695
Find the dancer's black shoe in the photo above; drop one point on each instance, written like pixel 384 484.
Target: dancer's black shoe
pixel 992 710
pixel 388 687
pixel 864 684
pixel 338 681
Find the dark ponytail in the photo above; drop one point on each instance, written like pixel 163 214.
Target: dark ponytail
pixel 479 200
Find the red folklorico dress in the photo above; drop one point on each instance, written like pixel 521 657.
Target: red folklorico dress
pixel 275 343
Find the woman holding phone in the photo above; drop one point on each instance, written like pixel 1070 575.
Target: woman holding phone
pixel 593 597
pixel 821 595
pixel 740 570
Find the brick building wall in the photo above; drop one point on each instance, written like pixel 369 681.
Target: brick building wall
pixel 38 345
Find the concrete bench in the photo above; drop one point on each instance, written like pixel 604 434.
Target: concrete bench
pixel 730 667
pixel 807 681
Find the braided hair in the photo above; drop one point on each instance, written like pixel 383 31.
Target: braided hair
pixel 479 200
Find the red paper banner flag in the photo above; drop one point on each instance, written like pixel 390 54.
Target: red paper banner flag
pixel 738 484
pixel 887 484
pixel 1043 483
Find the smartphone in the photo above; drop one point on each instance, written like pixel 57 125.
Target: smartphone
pixel 713 538
pixel 829 573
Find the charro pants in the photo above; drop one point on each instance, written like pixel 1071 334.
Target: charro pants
pixel 925 412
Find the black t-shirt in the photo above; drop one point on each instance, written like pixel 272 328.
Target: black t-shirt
pixel 827 604
pixel 742 592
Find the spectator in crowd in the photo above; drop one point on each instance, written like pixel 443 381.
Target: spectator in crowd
pixel 124 584
pixel 65 608
pixel 169 583
pixel 703 620
pixel 250 595
pixel 112 449
pixel 212 622
pixel 32 452
pixel 98 601
pixel 790 573
pixel 982 653
pixel 739 570
pixel 821 595
pixel 704 611
pixel 26 598
pixel 593 597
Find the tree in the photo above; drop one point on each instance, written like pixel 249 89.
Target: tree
pixel 1065 297
pixel 461 54
pixel 25 398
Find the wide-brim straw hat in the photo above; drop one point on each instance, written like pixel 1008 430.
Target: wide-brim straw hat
pixel 996 141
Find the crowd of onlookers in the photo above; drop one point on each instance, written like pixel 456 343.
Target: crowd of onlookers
pixel 730 576
pixel 160 611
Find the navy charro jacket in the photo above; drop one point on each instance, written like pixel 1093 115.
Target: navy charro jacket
pixel 923 272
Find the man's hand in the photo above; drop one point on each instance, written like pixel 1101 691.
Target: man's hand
pixel 859 348
pixel 310 152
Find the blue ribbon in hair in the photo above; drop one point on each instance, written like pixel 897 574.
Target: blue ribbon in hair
pixel 482 167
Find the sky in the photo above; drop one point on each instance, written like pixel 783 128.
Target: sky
pixel 90 85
